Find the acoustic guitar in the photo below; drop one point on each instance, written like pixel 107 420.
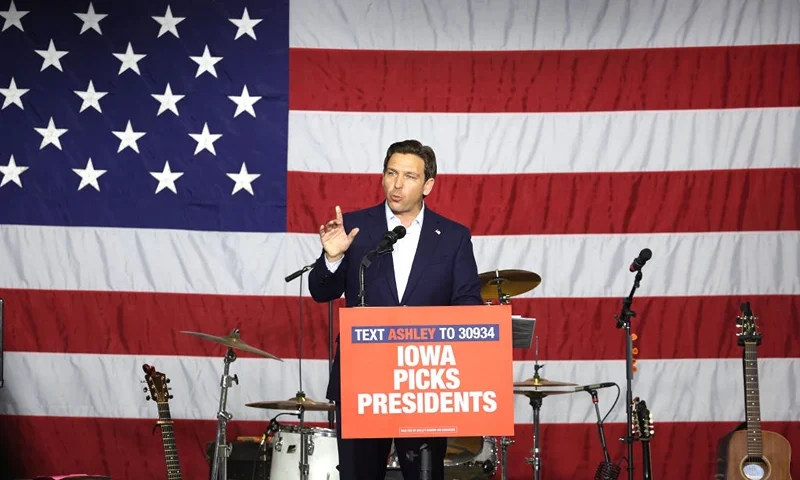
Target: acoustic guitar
pixel 755 454
pixel 159 392
pixel 643 430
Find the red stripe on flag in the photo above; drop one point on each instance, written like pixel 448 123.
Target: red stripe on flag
pixel 568 451
pixel 545 81
pixel 582 203
pixel 571 328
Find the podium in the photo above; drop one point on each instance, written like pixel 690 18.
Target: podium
pixel 429 371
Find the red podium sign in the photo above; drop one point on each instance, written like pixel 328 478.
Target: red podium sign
pixel 426 371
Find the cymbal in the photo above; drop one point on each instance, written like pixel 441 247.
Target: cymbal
pixel 543 382
pixel 294 404
pixel 232 341
pixel 542 393
pixel 512 283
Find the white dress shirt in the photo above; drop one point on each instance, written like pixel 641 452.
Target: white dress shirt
pixel 404 249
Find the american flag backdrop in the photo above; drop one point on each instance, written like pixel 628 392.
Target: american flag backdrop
pixel 164 164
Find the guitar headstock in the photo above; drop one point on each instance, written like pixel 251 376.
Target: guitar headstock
pixel 643 426
pixel 157 384
pixel 748 328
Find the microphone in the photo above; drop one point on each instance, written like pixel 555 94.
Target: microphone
pixel 594 386
pixel 390 238
pixel 639 261
pixel 299 272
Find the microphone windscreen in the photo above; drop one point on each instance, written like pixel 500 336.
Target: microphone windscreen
pixel 400 231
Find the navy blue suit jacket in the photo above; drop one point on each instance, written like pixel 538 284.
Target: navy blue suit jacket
pixel 444 271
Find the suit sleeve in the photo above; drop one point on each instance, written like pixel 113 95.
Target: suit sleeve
pixel 466 284
pixel 324 285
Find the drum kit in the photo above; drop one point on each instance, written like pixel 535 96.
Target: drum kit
pixel 304 452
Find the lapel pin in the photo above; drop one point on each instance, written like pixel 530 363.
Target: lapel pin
pixel 438 232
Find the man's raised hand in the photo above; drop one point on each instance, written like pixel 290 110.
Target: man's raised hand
pixel 334 239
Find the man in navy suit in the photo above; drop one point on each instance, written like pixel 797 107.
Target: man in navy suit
pixel 432 265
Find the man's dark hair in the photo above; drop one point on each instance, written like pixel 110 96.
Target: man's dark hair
pixel 414 147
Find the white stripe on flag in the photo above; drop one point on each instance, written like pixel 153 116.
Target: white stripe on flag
pixel 173 261
pixel 76 385
pixel 540 25
pixel 551 142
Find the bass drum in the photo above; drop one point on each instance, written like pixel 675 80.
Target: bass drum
pixel 323 453
pixel 467 458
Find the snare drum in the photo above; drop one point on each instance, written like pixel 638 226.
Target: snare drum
pixel 322 453
pixel 476 456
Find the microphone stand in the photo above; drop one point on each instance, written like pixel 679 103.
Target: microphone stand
pixel 624 321
pixel 382 249
pixel 330 354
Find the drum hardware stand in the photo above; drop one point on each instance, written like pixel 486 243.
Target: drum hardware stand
pixel 536 403
pixel 624 321
pixel 301 395
pixel 222 449
pixel 303 465
pixel 504 443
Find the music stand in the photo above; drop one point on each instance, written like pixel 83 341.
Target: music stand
pixel 522 331
pixel 521 337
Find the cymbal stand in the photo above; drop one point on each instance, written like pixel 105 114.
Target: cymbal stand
pixel 303 465
pixel 536 460
pixel 536 403
pixel 504 443
pixel 503 299
pixel 222 450
pixel 301 395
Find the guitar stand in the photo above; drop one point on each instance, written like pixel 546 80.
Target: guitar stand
pixel 222 449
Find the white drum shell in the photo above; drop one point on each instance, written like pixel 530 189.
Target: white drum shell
pixel 323 453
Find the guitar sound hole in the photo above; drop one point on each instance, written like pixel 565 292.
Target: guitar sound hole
pixel 754 470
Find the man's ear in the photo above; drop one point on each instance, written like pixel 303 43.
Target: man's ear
pixel 426 189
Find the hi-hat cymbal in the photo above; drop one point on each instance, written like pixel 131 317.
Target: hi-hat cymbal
pixel 294 404
pixel 232 341
pixel 543 382
pixel 512 283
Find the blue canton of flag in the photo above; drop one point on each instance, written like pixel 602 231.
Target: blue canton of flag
pixel 144 114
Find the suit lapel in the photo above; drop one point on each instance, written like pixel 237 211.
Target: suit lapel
pixel 384 263
pixel 428 243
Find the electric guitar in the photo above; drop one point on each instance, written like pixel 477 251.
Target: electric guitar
pixel 754 454
pixel 159 392
pixel 643 430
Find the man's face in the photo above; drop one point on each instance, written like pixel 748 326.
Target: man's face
pixel 404 182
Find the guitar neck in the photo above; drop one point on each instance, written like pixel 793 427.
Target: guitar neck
pixel 646 470
pixel 752 406
pixel 168 440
